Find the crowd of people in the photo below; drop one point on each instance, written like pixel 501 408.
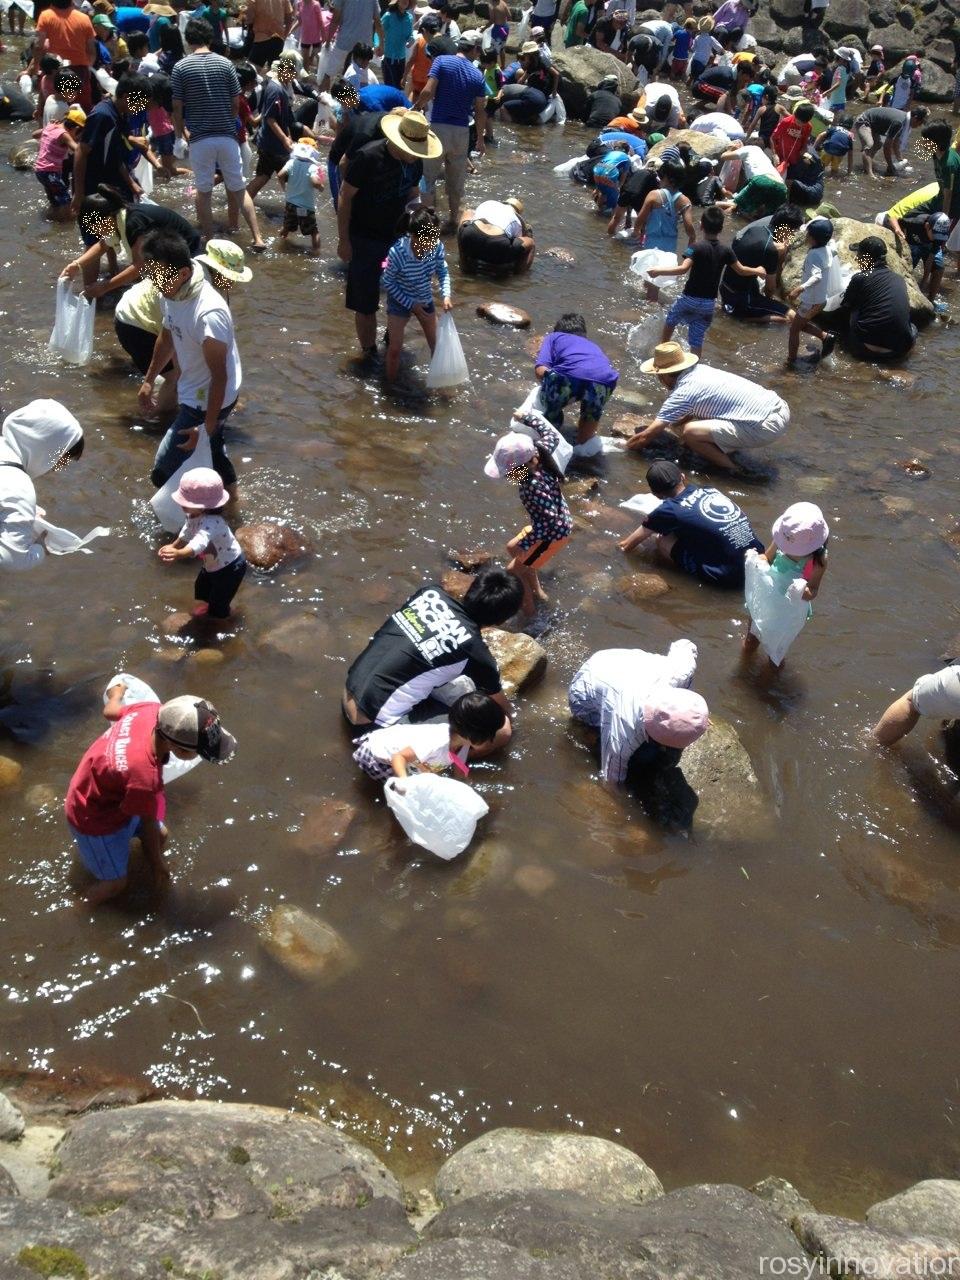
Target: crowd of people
pixel 125 97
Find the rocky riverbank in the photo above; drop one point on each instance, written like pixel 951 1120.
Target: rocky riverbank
pixel 221 1191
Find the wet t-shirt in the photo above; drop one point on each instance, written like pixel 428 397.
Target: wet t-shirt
pixel 120 777
pixel 709 257
pixel 711 530
pixel 429 641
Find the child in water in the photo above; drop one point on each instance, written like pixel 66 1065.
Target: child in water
pixel 814 291
pixel 474 721
pixel 58 143
pixel 302 177
pixel 529 464
pixel 205 534
pixel 413 261
pixel 798 550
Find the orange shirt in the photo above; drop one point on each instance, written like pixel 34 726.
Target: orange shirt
pixel 68 32
pixel 420 67
pixel 624 123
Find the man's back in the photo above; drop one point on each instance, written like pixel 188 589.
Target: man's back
pixel 207 85
pixel 459 84
pixel 68 32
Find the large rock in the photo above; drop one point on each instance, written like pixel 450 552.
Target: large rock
pixel 699 1233
pixel 640 587
pixel 325 823
pixel 11 1120
pixel 7 1185
pixel 11 772
pixel 709 145
pixel 847 232
pixel 268 545
pixel 897 42
pixel 865 1251
pixel 203 1188
pixel 937 84
pixel 481 1260
pixel 930 1208
pixel 521 659
pixel 302 636
pixel 765 31
pixel 783 1198
pixel 843 16
pixel 521 1160
pixel 306 946
pixel 883 13
pixel 581 70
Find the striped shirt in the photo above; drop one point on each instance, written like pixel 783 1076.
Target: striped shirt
pixel 206 84
pixel 409 279
pixel 705 393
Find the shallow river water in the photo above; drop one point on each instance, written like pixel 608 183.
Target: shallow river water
pixel 727 1010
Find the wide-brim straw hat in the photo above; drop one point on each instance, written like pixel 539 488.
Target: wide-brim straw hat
pixel 412 134
pixel 529 46
pixel 669 357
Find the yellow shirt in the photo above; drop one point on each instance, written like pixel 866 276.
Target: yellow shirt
pixel 140 306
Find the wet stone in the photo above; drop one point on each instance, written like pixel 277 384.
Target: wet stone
pixel 782 1197
pixel 534 879
pixel 559 254
pixel 520 659
pixel 913 467
pixel 174 623
pixel 207 657
pixel 11 1120
pixel 501 313
pixel 325 823
pixel 267 545
pixel 42 795
pixel 471 559
pixel 306 946
pixel 627 425
pixel 897 506
pixel 302 636
pixel 455 583
pixel 10 773
pixel 638 587
pixel 582 487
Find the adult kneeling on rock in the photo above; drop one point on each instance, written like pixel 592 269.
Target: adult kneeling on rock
pixel 641 704
pixel 713 412
pixel 495 236
pixel 430 641
pixel 880 325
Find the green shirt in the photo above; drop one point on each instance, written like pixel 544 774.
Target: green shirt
pixel 580 14
pixel 947 169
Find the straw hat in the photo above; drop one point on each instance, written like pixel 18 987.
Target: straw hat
pixel 529 46
pixel 639 116
pixel 227 258
pixel 705 24
pixel 160 10
pixel 516 204
pixel 669 357
pixel 412 135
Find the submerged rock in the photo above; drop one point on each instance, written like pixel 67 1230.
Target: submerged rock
pixel 306 946
pixel 783 1198
pixel 521 659
pixel 866 1251
pixel 302 636
pixel 929 1208
pixel 520 1160
pixel 489 864
pixel 11 1120
pixel 472 559
pixel 534 879
pixel 324 825
pixel 268 545
pixel 10 773
pixel 638 587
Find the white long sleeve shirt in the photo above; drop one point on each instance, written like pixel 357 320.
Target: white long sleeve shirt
pixel 610 690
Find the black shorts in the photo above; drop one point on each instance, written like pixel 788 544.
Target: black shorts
pixel 363 274
pixel 263 52
pixel 138 344
pixel 493 251
pixel 268 164
pixel 305 219
pixel 218 588
pixel 750 303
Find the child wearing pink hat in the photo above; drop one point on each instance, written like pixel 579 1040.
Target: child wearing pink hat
pixel 527 461
pixel 798 550
pixel 207 536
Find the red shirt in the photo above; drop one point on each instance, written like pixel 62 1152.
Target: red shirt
pixel 120 777
pixel 789 139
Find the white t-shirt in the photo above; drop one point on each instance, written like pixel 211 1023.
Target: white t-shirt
pixel 715 122
pixel 656 90
pixel 211 538
pixel 360 77
pixel 756 163
pixel 54 110
pixel 499 215
pixel 190 323
pixel 704 47
pixel 431 742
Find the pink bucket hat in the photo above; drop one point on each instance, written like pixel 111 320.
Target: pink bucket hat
pixel 801 530
pixel 511 450
pixel 674 717
pixel 201 489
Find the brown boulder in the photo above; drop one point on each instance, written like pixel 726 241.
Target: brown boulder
pixel 324 825
pixel 709 145
pixel 455 583
pixel 306 946
pixel 639 587
pixel 520 659
pixel 471 559
pixel 268 545
pixel 502 313
pixel 10 773
pixel 301 636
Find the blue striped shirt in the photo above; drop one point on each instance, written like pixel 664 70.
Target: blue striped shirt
pixel 409 279
pixel 705 393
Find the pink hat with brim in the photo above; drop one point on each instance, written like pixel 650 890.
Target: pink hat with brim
pixel 201 489
pixel 511 450
pixel 801 530
pixel 675 717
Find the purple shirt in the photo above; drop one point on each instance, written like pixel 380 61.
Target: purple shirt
pixel 576 357
pixel 733 15
pixel 459 84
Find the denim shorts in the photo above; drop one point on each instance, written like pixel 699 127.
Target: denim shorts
pixel 170 456
pixel 106 857
pixel 394 308
pixel 696 314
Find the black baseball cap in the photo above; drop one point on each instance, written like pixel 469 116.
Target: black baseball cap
pixel 871 247
pixel 663 477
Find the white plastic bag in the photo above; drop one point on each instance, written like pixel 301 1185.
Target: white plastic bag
pixel 560 111
pixel 642 503
pixel 644 259
pixel 291 44
pixel 72 335
pixel 143 174
pixel 563 452
pixel 564 170
pixel 106 81
pixel 777 619
pixel 523 31
pixel 448 368
pixel 26 85
pixel 61 542
pixel 546 115
pixel 837 279
pixel 440 814
pixel 166 510
pixel 138 690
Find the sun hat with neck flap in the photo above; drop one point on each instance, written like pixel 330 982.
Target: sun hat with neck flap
pixel 227 258
pixel 411 134
pixel 669 357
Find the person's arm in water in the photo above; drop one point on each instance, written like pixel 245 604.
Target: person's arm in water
pixel 634 539
pixel 162 354
pixel 176 550
pixel 344 207
pixel 400 759
pixel 615 219
pixel 650 432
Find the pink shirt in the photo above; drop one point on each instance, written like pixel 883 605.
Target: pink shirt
pixel 53 150
pixel 159 120
pixel 313 22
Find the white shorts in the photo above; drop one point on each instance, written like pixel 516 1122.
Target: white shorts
pixel 938 695
pixel 748 435
pixel 207 155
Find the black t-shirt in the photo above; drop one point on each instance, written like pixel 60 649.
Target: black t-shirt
pixel 879 310
pixel 107 161
pixel 712 533
pixel 602 106
pixel 383 188
pixel 754 246
pixel 144 218
pixel 885 122
pixel 636 188
pixel 709 258
pixel 356 133
pixel 427 642
pixel 915 229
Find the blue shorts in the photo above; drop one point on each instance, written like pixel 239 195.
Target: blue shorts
pixel 921 252
pixel 394 308
pixel 696 314
pixel 106 857
pixel 58 193
pixel 163 145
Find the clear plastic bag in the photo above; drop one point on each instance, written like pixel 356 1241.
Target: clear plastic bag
pixel 166 510
pixel 439 814
pixel 643 504
pixel 776 619
pixel 560 111
pixel 448 368
pixel 564 170
pixel 72 335
pixel 61 542
pixel 644 259
pixel 143 174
